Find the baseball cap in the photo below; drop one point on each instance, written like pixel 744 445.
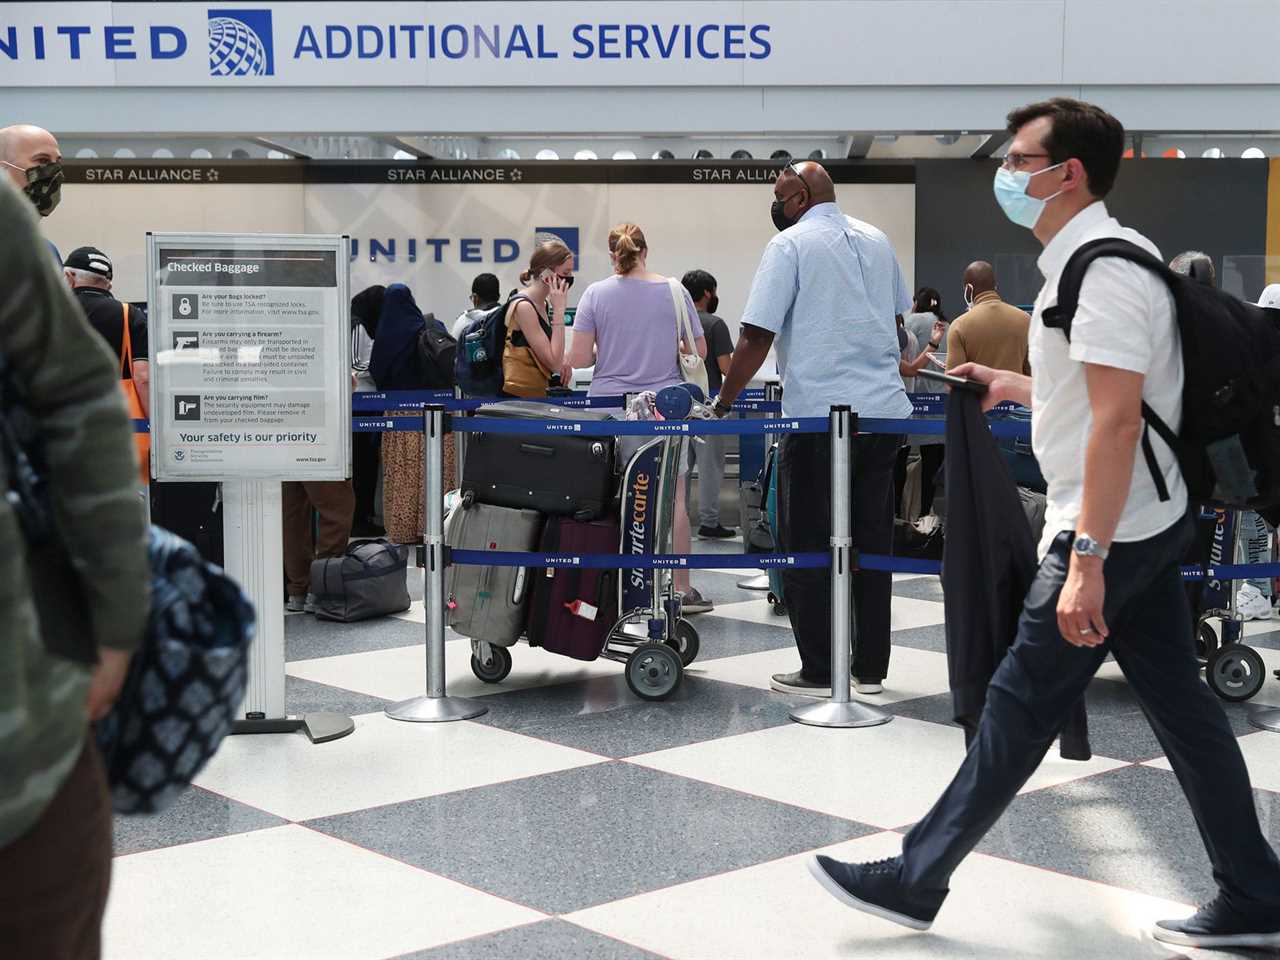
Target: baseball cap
pixel 1270 296
pixel 91 260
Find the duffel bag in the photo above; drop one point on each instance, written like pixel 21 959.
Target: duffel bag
pixel 370 580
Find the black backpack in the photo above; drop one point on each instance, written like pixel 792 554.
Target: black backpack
pixel 1229 445
pixel 437 351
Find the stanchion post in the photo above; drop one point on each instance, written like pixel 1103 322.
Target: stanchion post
pixel 459 447
pixel 772 393
pixel 435 707
pixel 841 710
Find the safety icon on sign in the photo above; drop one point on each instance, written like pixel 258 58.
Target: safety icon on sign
pixel 186 339
pixel 186 306
pixel 186 407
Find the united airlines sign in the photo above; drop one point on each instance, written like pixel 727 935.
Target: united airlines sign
pixel 345 44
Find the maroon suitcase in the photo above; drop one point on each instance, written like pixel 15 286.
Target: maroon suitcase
pixel 574 608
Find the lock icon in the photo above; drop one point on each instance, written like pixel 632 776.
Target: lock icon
pixel 186 306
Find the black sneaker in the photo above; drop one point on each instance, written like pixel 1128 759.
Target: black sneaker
pixel 717 532
pixel 796 685
pixel 1218 925
pixel 875 888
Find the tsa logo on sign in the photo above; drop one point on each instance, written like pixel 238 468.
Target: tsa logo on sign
pixel 241 44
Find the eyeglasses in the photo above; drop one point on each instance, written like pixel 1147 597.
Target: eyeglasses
pixel 1016 161
pixel 791 165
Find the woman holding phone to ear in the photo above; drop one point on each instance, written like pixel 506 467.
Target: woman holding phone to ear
pixel 535 322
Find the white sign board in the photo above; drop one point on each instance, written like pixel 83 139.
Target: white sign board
pixel 250 355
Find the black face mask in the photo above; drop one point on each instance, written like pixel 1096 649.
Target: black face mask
pixel 44 186
pixel 713 304
pixel 568 281
pixel 780 219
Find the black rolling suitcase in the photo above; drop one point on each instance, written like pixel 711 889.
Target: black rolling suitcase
pixel 193 511
pixel 562 475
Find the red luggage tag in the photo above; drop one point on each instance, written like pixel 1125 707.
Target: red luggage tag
pixel 580 608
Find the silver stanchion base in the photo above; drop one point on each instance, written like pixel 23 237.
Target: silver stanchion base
pixel 1265 718
pixel 435 709
pixel 755 583
pixel 827 713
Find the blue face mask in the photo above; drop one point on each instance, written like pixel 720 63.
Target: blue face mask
pixel 1011 193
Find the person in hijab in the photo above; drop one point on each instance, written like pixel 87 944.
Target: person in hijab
pixel 394 365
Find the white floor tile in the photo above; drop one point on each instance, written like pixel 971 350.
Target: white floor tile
pixel 907 613
pixel 1267 696
pixel 912 673
pixel 400 672
pixel 288 894
pixel 1261 755
pixel 887 776
pixel 383 761
pixel 997 911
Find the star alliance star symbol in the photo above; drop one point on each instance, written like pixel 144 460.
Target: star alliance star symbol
pixel 211 175
pixel 517 175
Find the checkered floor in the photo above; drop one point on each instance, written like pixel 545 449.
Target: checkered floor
pixel 573 820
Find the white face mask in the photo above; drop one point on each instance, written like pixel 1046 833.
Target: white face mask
pixel 968 296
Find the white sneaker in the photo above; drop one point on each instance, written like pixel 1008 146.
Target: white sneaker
pixel 1251 604
pixel 867 687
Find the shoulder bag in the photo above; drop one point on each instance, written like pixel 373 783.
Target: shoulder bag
pixel 692 368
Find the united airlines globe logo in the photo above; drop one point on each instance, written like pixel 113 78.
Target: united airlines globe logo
pixel 240 43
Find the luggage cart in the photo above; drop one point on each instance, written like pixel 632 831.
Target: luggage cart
pixel 649 636
pixel 1233 670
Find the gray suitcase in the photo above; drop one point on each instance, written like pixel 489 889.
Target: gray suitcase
pixel 489 603
pixel 370 580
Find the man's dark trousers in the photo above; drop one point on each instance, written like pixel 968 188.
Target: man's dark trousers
pixel 804 521
pixel 1042 676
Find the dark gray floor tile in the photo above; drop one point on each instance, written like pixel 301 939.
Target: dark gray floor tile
pixel 539 941
pixel 306 696
pixel 603 716
pixel 727 637
pixel 196 815
pixel 1129 828
pixel 307 638
pixel 571 840
pixel 921 588
pixel 935 709
pixel 932 637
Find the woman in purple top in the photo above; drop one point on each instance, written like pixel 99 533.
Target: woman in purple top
pixel 627 327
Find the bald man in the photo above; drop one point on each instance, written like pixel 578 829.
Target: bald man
pixel 992 332
pixel 31 157
pixel 828 288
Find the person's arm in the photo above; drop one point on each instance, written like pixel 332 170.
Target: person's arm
pixel 700 344
pixel 753 348
pixel 1115 400
pixel 548 351
pixel 956 354
pixel 1002 385
pixel 141 373
pixel 724 361
pixel 909 368
pixel 769 304
pixel 68 378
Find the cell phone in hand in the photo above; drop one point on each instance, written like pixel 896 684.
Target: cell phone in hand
pixel 956 383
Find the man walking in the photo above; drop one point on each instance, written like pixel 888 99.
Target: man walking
pixel 710 454
pixel 1109 581
pixel 31 157
pixel 829 287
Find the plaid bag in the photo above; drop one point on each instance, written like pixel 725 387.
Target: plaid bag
pixel 185 684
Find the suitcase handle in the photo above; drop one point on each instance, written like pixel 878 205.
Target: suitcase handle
pixel 537 449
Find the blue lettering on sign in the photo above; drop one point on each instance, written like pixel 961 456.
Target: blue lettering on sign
pixel 242 42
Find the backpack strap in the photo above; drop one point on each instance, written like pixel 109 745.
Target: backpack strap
pixel 1060 315
pixel 125 364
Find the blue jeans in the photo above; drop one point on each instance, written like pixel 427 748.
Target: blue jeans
pixel 1042 676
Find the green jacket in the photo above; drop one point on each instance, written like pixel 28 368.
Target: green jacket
pixel 69 380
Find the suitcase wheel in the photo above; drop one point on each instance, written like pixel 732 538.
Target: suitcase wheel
pixel 497 667
pixel 1235 672
pixel 654 671
pixel 686 642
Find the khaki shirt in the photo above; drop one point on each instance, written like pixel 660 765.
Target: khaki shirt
pixel 993 333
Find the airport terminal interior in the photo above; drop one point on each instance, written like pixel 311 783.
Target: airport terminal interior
pixel 401 777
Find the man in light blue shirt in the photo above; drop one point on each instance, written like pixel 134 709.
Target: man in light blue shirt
pixel 828 289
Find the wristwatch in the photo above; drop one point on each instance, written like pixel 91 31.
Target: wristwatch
pixel 1086 546
pixel 721 408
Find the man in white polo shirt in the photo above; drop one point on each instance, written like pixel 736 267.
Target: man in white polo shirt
pixel 1109 579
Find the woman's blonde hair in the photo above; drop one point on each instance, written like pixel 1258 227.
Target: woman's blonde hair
pixel 626 243
pixel 546 256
